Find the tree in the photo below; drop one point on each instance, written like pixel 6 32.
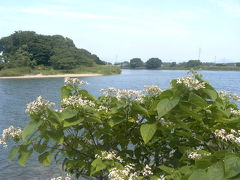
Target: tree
pixel 193 63
pixel 173 64
pixel 238 64
pixel 153 63
pixel 136 62
pixel 45 50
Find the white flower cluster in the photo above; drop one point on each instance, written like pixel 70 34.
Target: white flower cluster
pixel 8 133
pixel 68 177
pixel 74 81
pixel 152 89
pixel 197 155
pixel 123 174
pixel 125 93
pixel 228 96
pixel 129 173
pixel 233 136
pixel 38 105
pixel 77 101
pixel 102 108
pixel 166 122
pixel 235 112
pixel 194 155
pixel 190 82
pixel 109 156
pixel 147 171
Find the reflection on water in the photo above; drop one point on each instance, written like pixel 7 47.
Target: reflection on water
pixel 15 94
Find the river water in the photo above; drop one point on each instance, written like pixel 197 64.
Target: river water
pixel 16 93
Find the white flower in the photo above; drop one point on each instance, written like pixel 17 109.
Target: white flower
pixel 152 89
pixel 102 108
pixel 197 155
pixel 225 95
pixel 194 155
pixel 10 132
pixel 234 136
pixel 191 83
pixel 235 112
pixel 74 81
pixel 123 174
pixel 147 171
pixel 77 101
pixel 109 156
pixel 38 106
pixel 129 94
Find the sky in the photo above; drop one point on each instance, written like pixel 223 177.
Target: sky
pixel 118 30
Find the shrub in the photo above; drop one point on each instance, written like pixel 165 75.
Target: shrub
pixel 189 131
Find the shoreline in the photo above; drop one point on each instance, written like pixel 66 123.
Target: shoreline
pixel 50 76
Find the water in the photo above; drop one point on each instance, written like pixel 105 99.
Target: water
pixel 15 94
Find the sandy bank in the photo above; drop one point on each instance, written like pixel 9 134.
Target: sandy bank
pixel 49 76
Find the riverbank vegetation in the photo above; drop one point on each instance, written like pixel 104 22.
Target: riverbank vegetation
pixel 187 132
pixel 96 69
pixel 156 63
pixel 25 52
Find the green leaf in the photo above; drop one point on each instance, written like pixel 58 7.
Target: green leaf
pixel 203 163
pixel 166 105
pixel 198 174
pixel 86 94
pixel 45 158
pixel 147 131
pixel 72 122
pixel 67 114
pixel 29 128
pixel 98 165
pixel 197 100
pixel 57 136
pixel 40 148
pixel 216 171
pixel 167 169
pixel 54 117
pixel 13 153
pixel 232 166
pixel 211 93
pixel 24 156
pixel 65 92
pixel 136 107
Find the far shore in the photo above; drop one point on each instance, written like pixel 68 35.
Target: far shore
pixel 50 76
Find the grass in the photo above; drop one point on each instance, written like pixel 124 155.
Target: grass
pixel 98 69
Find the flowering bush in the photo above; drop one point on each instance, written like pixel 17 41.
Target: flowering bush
pixel 189 131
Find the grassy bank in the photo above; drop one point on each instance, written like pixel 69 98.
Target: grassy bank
pixel 98 69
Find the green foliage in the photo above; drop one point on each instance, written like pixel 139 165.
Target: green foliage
pixel 26 48
pixel 99 69
pixel 193 63
pixel 185 132
pixel 153 63
pixel 136 63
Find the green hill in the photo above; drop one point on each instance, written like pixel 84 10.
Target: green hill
pixel 28 49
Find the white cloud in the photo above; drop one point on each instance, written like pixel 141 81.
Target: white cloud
pixel 123 23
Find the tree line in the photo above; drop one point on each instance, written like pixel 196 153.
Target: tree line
pixel 136 63
pixel 156 63
pixel 27 48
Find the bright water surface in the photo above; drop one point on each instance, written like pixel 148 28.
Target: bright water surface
pixel 16 93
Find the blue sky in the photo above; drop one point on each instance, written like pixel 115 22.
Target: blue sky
pixel 118 30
